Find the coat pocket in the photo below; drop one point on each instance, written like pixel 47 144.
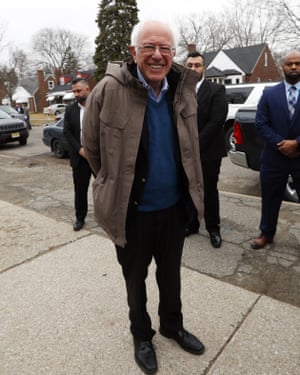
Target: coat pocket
pixel 112 118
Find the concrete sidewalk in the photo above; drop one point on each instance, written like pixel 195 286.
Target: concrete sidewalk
pixel 63 311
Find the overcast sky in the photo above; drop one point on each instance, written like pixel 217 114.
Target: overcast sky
pixel 23 18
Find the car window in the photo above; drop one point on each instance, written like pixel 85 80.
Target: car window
pixel 238 95
pixel 12 111
pixel 8 109
pixel 60 123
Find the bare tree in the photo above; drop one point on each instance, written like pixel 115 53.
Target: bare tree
pixel 240 24
pixel 8 80
pixel 290 11
pixel 253 21
pixel 206 31
pixel 19 61
pixel 2 32
pixel 59 49
pixel 3 44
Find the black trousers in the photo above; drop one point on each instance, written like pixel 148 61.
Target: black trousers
pixel 81 180
pixel 211 171
pixel 158 235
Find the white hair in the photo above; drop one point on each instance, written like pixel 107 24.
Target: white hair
pixel 140 25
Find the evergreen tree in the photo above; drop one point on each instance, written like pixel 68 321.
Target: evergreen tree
pixel 70 63
pixel 115 21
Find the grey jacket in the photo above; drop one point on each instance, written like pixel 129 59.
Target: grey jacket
pixel 112 129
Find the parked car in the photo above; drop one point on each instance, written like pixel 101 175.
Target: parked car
pixel 59 117
pixel 54 138
pixel 248 145
pixel 244 95
pixel 55 109
pixel 12 112
pixel 12 129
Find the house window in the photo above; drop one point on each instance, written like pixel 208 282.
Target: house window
pixel 266 59
pixel 50 85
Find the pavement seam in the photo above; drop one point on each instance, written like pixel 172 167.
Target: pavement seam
pixel 231 336
pixel 53 248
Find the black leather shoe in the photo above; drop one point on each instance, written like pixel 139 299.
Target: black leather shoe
pixel 186 340
pixel 145 356
pixel 78 225
pixel 215 239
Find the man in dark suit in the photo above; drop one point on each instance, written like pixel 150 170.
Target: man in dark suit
pixel 73 132
pixel 212 112
pixel 278 123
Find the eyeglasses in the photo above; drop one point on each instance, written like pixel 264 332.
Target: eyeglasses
pixel 196 65
pixel 149 49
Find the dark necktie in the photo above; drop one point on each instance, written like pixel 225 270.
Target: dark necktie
pixel 292 100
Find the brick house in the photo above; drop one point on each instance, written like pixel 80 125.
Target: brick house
pixel 33 90
pixel 62 92
pixel 42 90
pixel 241 65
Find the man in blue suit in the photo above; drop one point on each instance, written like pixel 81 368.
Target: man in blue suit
pixel 278 123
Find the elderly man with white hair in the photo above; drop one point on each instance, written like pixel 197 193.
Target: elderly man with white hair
pixel 141 140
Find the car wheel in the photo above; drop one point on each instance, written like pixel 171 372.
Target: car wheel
pixel 58 149
pixel 57 113
pixel 229 138
pixel 290 192
pixel 23 141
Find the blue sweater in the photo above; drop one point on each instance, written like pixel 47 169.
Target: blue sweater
pixel 161 188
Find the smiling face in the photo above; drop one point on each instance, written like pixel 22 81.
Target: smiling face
pixel 155 64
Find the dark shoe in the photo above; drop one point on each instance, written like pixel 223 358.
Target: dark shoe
pixel 261 242
pixel 215 239
pixel 186 340
pixel 78 225
pixel 190 231
pixel 145 356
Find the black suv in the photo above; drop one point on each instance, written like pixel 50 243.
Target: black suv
pixel 248 146
pixel 12 129
pixel 244 95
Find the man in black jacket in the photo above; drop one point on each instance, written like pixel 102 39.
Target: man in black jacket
pixel 212 112
pixel 73 133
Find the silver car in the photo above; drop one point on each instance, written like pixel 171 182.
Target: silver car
pixel 12 112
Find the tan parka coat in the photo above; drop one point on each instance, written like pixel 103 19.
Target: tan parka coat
pixel 112 128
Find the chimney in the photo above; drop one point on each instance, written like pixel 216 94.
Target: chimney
pixel 191 47
pixel 41 78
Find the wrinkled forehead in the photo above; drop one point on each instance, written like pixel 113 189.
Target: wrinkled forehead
pixel 154 32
